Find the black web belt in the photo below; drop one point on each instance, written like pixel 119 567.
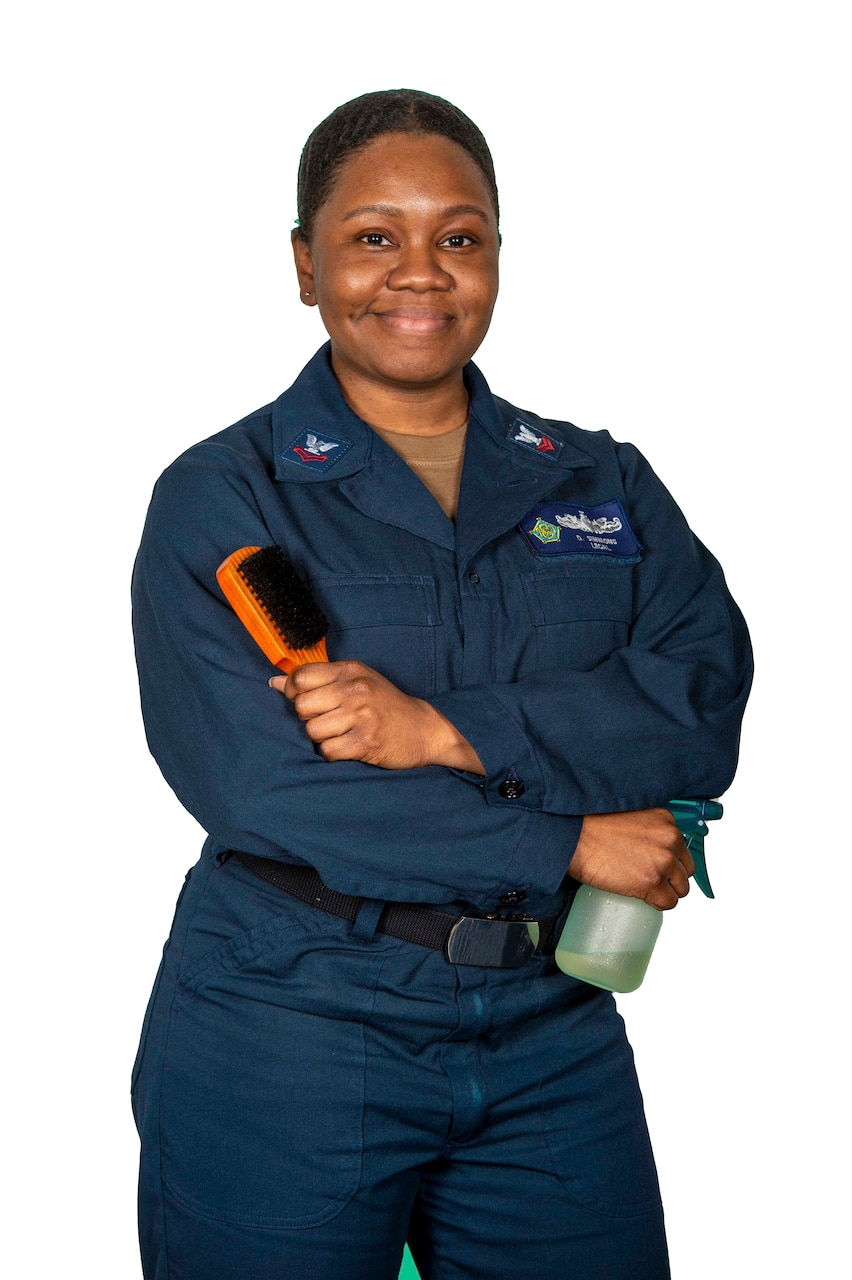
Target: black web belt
pixel 492 941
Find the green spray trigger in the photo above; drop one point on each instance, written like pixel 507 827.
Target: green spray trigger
pixel 692 817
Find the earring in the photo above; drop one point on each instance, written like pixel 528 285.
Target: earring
pixel 307 293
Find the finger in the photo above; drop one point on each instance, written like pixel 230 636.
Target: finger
pixel 278 682
pixel 663 897
pixel 312 675
pixel 333 724
pixel 317 702
pixel 686 859
pixel 345 747
pixel 679 880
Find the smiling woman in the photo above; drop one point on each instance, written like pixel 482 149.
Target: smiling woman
pixel 353 1042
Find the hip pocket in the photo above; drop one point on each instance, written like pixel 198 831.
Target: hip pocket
pixel 592 1113
pixel 262 1093
pixel 261 1109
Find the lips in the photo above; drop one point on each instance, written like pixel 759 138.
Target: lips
pixel 414 320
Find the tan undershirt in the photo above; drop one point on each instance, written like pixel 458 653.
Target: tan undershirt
pixel 435 460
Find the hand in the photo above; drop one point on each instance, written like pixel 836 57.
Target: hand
pixel 640 854
pixel 353 713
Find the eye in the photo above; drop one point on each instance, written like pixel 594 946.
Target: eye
pixel 375 239
pixel 458 241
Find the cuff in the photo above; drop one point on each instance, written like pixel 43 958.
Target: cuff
pixel 513 776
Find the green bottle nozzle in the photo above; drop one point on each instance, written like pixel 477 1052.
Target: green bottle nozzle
pixel 692 817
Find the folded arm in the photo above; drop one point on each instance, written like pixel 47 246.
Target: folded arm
pixel 657 719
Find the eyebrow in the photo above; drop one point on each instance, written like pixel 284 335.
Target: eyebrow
pixel 393 211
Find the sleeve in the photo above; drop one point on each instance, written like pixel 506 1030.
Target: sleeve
pixel 239 760
pixel 656 720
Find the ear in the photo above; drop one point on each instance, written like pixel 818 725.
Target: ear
pixel 304 268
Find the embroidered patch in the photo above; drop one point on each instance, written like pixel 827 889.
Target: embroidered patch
pixel 315 452
pixel 522 434
pixel 558 529
pixel 545 532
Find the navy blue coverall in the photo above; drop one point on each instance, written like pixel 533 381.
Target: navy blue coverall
pixel 308 1092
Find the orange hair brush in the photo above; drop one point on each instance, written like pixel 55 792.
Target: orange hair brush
pixel 275 606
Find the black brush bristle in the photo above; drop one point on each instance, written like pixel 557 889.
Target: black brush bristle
pixel 285 598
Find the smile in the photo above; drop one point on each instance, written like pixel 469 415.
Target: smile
pixel 415 319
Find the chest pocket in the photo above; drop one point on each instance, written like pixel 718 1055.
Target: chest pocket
pixel 387 621
pixel 581 612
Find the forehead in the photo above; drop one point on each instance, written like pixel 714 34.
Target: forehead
pixel 408 168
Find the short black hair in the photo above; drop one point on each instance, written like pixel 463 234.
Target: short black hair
pixel 359 121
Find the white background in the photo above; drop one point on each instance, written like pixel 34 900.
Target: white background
pixel 676 269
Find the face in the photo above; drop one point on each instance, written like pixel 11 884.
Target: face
pixel 403 262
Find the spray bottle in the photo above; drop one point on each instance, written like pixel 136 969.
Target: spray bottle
pixel 607 939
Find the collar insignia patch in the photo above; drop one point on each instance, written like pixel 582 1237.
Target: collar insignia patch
pixel 315 453
pixel 559 529
pixel 522 434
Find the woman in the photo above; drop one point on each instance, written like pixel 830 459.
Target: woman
pixel 530 654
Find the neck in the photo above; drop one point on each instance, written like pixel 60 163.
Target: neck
pixel 408 411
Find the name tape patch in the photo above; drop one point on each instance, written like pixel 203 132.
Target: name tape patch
pixel 315 452
pixel 559 529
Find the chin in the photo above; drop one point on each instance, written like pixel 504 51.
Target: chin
pixel 421 361
pixel 422 372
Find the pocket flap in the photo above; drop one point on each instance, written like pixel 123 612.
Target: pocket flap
pixel 376 600
pixel 580 593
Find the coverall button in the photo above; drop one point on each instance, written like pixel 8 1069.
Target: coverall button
pixel 474 578
pixel 511 789
pixel 513 897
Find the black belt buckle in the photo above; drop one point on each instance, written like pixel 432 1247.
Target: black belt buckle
pixel 496 944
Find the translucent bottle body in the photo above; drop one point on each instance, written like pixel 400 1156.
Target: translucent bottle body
pixel 607 939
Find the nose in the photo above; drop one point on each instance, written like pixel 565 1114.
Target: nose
pixel 418 268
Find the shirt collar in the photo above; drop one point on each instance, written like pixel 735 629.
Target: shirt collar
pixel 316 436
pixel 314 407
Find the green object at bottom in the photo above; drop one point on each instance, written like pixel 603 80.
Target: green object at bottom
pixel 409 1271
